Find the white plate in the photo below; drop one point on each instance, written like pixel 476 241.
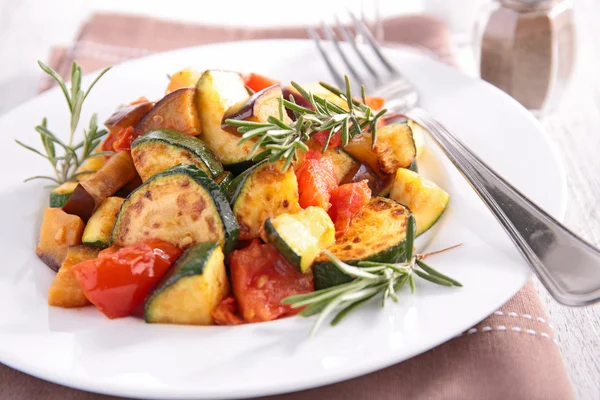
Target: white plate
pixel 83 349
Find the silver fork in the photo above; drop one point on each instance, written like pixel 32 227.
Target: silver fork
pixel 568 266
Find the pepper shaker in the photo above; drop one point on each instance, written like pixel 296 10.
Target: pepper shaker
pixel 527 49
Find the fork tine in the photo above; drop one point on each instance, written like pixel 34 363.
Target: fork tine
pixel 330 34
pixel 360 26
pixel 337 76
pixel 349 38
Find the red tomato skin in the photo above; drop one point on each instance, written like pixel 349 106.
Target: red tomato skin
pixel 226 312
pixel 109 141
pixel 316 180
pixel 258 82
pixel 346 202
pixel 321 138
pixel 118 281
pixel 261 278
pixel 124 138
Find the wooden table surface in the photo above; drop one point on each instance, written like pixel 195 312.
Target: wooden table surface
pixel 28 28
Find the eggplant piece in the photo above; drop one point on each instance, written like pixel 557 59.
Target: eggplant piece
pixel 301 101
pixel 59 230
pixel 176 111
pixel 257 108
pixel 379 185
pixel 187 77
pixel 88 195
pixel 127 115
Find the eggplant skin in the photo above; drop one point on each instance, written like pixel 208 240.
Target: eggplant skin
pixel 181 205
pixel 176 111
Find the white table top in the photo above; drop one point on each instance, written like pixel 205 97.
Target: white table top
pixel 28 28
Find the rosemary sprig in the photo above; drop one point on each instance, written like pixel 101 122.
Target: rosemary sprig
pixel 74 154
pixel 371 279
pixel 282 139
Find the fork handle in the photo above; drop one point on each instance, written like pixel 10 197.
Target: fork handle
pixel 568 266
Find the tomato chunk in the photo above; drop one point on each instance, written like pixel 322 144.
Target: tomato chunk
pixel 226 312
pixel 321 138
pixel 346 202
pixel 376 103
pixel 261 278
pixel 124 138
pixel 316 180
pixel 258 82
pixel 118 281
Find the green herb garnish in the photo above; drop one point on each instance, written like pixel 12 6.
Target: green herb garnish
pixel 281 139
pixel 65 165
pixel 371 279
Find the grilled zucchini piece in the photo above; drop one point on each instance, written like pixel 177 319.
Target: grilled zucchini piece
pixel 377 233
pixel 59 230
pixel 65 291
pixel 60 195
pixel 301 237
pixel 191 289
pixel 425 199
pixel 180 205
pixel 217 91
pixel 159 150
pixel 100 225
pixel 224 180
pixel 262 192
pixel 418 136
pixel 394 148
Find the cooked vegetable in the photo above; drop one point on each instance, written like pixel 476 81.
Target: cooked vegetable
pixel 262 192
pixel 187 77
pixel 159 150
pixel 316 180
pixel 88 195
pixel 376 233
pixel 347 201
pixel 129 187
pixel 224 180
pixel 344 165
pixel 192 289
pixel 258 82
pixel 380 185
pixel 60 195
pixel 394 148
pixel 181 205
pixel 258 108
pixel 418 136
pixel 217 91
pixel 425 199
pixel 99 227
pixel 176 111
pixel 300 237
pixel 413 166
pixel 261 278
pixel 226 312
pixel 90 167
pixel 59 230
pixel 65 290
pixel 127 115
pixel 118 281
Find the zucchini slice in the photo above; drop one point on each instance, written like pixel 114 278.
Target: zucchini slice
pixel 260 193
pixel 191 289
pixel 301 237
pixel 65 291
pixel 100 225
pixel 180 205
pixel 162 149
pixel 425 199
pixel 224 180
pixel 394 148
pixel 60 195
pixel 217 91
pixel 377 233
pixel 418 136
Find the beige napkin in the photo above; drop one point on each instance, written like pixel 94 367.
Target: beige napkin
pixel 510 355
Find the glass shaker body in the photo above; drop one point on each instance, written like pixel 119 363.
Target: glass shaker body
pixel 527 50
